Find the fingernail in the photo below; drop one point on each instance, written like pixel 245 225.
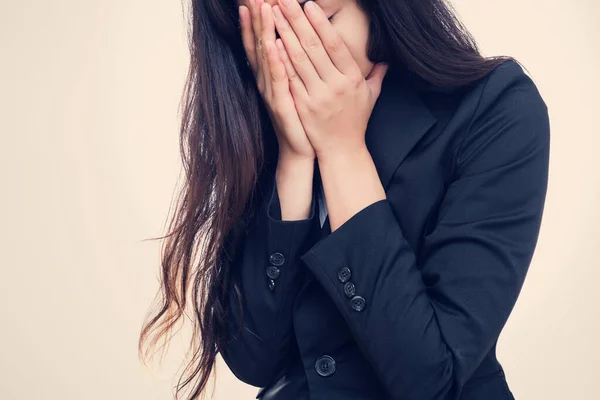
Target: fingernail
pixel 310 6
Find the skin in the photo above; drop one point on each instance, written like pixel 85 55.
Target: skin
pixel 349 21
pixel 320 89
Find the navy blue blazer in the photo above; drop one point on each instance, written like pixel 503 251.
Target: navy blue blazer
pixel 407 298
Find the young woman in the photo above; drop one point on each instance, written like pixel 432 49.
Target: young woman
pixel 364 193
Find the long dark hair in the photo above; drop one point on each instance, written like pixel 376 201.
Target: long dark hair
pixel 227 141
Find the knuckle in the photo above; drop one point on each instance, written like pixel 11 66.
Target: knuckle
pixel 301 107
pixel 336 44
pixel 261 86
pixel 328 100
pixel 295 15
pixel 318 103
pixel 356 79
pixel 315 108
pixel 338 88
pixel 278 78
pixel 279 110
pixel 298 57
pixel 293 76
pixel 284 28
pixel 311 43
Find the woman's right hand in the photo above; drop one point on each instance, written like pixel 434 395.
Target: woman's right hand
pixel 258 37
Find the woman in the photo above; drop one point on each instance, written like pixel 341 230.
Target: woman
pixel 371 191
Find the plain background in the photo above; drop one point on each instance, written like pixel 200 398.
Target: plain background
pixel 90 160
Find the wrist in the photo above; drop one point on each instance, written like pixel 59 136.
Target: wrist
pixel 344 156
pixel 292 161
pixel 294 181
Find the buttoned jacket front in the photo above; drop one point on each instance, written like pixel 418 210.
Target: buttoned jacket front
pixel 406 299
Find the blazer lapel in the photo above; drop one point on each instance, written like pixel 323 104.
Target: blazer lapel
pixel 399 119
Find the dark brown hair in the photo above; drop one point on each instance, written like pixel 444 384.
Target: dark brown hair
pixel 227 140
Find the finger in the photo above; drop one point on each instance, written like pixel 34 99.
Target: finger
pixel 296 85
pixel 279 79
pixel 302 63
pixel 334 45
pixel 248 37
pixel 268 37
pixel 375 79
pixel 255 6
pixel 309 39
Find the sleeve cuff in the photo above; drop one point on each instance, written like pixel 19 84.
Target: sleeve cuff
pixel 287 240
pixel 274 206
pixel 348 262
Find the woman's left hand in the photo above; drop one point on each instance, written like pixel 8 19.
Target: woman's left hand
pixel 332 97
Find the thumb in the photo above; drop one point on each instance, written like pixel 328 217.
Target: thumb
pixel 375 78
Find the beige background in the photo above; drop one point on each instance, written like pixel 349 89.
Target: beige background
pixel 89 161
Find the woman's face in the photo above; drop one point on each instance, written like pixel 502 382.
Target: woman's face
pixel 351 23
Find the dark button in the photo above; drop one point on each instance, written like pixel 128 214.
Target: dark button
pixel 325 365
pixel 358 303
pixel 272 272
pixel 349 289
pixel 344 274
pixel 277 259
pixel 271 284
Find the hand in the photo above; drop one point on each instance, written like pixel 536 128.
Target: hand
pixel 258 37
pixel 333 99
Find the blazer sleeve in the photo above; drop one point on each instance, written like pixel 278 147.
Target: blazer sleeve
pixel 267 266
pixel 426 322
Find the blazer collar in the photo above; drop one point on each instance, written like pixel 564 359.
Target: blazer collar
pixel 398 120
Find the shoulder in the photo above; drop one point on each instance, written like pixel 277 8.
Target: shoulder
pixel 508 87
pixel 508 115
pixel 501 112
pixel 505 89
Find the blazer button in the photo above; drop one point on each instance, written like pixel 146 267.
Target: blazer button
pixel 325 365
pixel 358 303
pixel 271 284
pixel 344 274
pixel 277 259
pixel 349 289
pixel 272 272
